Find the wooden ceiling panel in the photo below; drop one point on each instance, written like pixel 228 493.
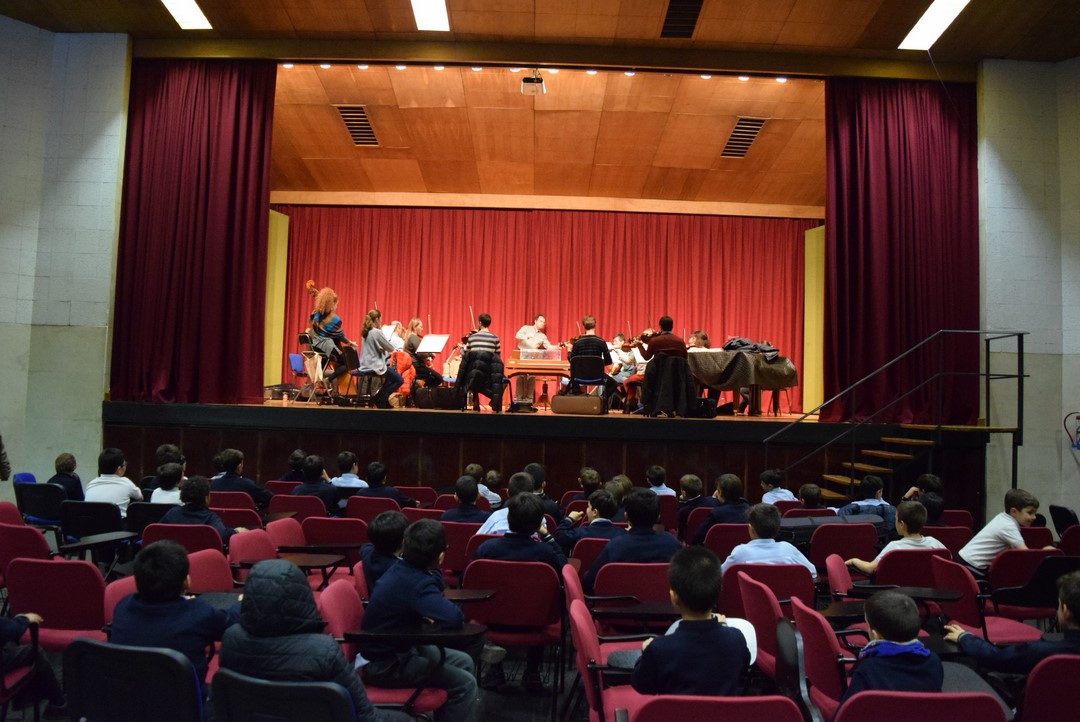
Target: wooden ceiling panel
pixel 390 128
pixel 425 87
pixel 562 179
pixel 566 136
pixel 486 25
pixel 774 137
pixel 315 131
pixel 596 26
pixel 643 92
pixel 839 12
pixel 395 176
pixel 450 176
pixel 346 16
pixel 339 174
pixel 804 151
pixel 507 178
pixel 677 184
pixel 817 35
pixel 635 27
pixel 692 141
pixel 440 133
pixel 502 135
pixel 340 86
pixel 774 11
pixel 373 85
pixel 290 174
pixel 772 185
pixel 730 186
pixel 391 17
pixel 550 25
pixel 618 181
pixel 491 6
pixel 299 85
pixel 262 18
pixel 573 90
pixel 738 33
pixel 627 138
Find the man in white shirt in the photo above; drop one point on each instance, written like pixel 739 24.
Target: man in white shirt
pixel 111 485
pixel 498 522
pixel 910 518
pixel 656 477
pixel 530 337
pixel 763 547
pixel 348 464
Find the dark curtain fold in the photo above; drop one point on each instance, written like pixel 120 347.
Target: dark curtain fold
pixel 191 274
pixel 902 246
pixel 727 275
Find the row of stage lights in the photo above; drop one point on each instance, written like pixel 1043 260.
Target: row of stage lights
pixel 549 71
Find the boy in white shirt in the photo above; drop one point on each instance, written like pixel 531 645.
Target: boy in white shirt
pixel 1002 532
pixel 771 485
pixel 656 476
pixel 110 484
pixel 763 547
pixel 910 518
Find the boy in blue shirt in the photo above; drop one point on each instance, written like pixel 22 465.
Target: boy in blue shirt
pixel 772 487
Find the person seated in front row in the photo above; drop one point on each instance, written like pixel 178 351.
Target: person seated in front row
pixel 703 656
pixel 466 491
pixel 167 491
pixel 598 525
pixel 810 496
pixel 772 488
pixel 619 486
pixel 477 472
pixel 1022 658
pixel 910 518
pixel 763 547
pixel 1002 532
pixel 110 484
pixel 317 483
pixel 280 638
pixel 872 502
pixel 195 497
pixel 160 615
pixel 642 544
pixel 690 498
pixel 231 479
pixel 656 477
pixel 66 477
pixel 526 519
pixel 894 660
pixel 539 475
pixel 731 507
pixel 347 481
pixel 409 592
pixel 498 522
pixel 296 466
pixel 377 486
pixel 386 534
pixel 929 491
pixel 589 481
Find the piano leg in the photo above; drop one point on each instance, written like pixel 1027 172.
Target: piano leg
pixel 545 400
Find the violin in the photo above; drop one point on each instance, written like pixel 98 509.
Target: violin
pixel 569 342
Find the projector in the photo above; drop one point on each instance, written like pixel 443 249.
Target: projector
pixel 533 85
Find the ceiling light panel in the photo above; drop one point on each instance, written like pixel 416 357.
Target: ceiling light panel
pixel 188 15
pixel 431 15
pixel 937 18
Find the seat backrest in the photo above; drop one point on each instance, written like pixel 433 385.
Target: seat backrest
pixel 425 495
pixel 346 534
pixel 1063 518
pixel 233 518
pixel 445 502
pixel 210 572
pixel 114 592
pixel 369 507
pixel 278 486
pixel 85 518
pixel 1051 693
pixel 529 593
pixel 579 505
pixel 238 698
pixel 800 513
pixel 773 708
pixel 474 543
pixel 415 514
pixel 586 649
pixel 192 537
pixel 117 683
pixel 587 550
pixel 669 512
pixel 41 501
pixel 850 540
pixel 572 584
pixel 647 582
pixel 303 505
pixel 839 576
pixel 67 594
pixel 19 541
pixel 954 538
pixel 249 547
pixel 898 706
pixel 697 518
pixel 762 610
pixel 1041 590
pixel 950 575
pixel 360 581
pixel 457 544
pixel 24 477
pixel 10 514
pixel 822 651
pixel 231 500
pixel 1037 537
pixel 785 581
pixel 722 538
pixel 567 497
pixel 908 567
pixel 586 367
pixel 142 514
pixel 286 533
pixel 340 607
pixel 957 517
pixel 296 363
pixel 791 670
pixel 1070 541
pixel 785 504
pixel 1014 567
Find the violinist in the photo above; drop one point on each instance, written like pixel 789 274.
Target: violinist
pixel 530 337
pixel 373 357
pixel 623 357
pixel 421 361
pixel 633 382
pixel 589 344
pixel 482 339
pixel 665 342
pixel 326 326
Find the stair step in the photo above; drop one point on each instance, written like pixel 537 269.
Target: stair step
pixel 837 479
pixel 892 455
pixel 969 429
pixel 867 468
pixel 904 441
pixel 830 495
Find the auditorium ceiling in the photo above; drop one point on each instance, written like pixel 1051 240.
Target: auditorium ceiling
pixel 657 135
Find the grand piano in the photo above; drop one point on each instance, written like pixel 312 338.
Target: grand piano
pixel 733 370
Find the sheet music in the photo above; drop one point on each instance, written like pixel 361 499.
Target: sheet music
pixel 433 343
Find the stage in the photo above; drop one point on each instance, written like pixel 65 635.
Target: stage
pixel 432 447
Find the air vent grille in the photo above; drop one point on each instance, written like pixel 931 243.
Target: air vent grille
pixel 358 124
pixel 681 18
pixel 742 137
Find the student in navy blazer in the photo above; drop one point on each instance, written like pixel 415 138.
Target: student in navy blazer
pixel 377 486
pixel 691 498
pixel 732 508
pixel 598 513
pixel 317 483
pixel 386 534
pixel 231 479
pixel 466 490
pixel 642 544
pixel 526 518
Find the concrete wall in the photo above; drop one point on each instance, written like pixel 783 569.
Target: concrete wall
pixel 62 124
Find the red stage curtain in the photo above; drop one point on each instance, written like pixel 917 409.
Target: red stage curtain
pixel 902 245
pixel 729 276
pixel 191 275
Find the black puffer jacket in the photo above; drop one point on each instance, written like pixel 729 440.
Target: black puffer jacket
pixel 482 372
pixel 280 637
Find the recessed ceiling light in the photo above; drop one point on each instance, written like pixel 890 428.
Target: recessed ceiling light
pixel 477 70
pixel 629 73
pixel 937 18
pixel 515 70
pixel 439 67
pixel 781 79
pixel 431 15
pixel 324 66
pixel 362 67
pixel 187 14
pixel 553 71
pixel 286 65
pixel 590 72
pixel 400 67
pixel 744 78
pixel 706 77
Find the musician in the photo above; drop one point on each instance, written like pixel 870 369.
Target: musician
pixel 530 337
pixel 699 341
pixel 373 356
pixel 422 362
pixel 589 344
pixel 326 326
pixel 665 342
pixel 623 357
pixel 484 339
pixel 637 377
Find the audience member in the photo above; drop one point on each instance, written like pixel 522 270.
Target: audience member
pixel 539 475
pixel 691 498
pixel 525 518
pixel 497 523
pixel 477 472
pixel 871 489
pixel 347 480
pixel 164 454
pixel 14 656
pixel 66 477
pixel 619 486
pixel 195 496
pixel 894 660
pixel 910 518
pixel 168 484
pixel 317 483
pixel 703 656
pixel 763 548
pixel 110 484
pixel 280 638
pixel 411 591
pixel 731 508
pixel 296 466
pixel 160 615
pixel 377 486
pixel 929 491
pixel 642 544
pixel 810 496
pixel 598 523
pixel 231 479
pixel 386 533
pixel 493 481
pixel 772 487
pixel 1002 532
pixel 1022 658
pixel 589 481
pixel 466 490
pixel 656 477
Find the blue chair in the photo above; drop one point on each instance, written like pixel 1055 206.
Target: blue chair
pixel 25 478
